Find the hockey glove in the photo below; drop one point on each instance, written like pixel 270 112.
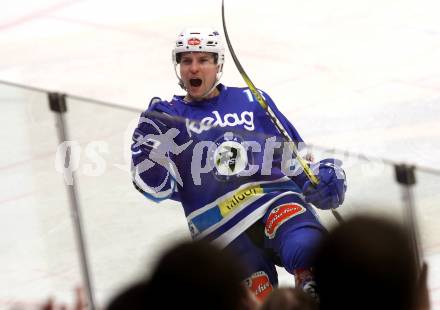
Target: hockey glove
pixel 147 136
pixel 330 192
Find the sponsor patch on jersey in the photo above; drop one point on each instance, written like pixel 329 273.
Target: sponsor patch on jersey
pixel 259 284
pixel 245 119
pixel 238 198
pixel 279 215
pixel 194 41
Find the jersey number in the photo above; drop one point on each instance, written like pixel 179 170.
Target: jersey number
pixel 250 96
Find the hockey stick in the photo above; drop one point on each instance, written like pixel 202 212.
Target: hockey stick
pixel 309 173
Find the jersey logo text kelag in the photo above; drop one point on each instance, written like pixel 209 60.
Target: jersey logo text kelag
pixel 246 118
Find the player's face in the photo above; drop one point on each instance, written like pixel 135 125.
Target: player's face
pixel 198 71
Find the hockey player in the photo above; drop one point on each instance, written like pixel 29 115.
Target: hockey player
pixel 216 152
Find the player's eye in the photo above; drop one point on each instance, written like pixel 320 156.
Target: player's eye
pixel 186 61
pixel 205 60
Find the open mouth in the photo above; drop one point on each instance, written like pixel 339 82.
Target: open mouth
pixel 195 82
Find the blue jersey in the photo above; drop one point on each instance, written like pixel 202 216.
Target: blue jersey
pixel 222 158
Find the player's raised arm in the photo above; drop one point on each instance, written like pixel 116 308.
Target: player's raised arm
pixel 151 163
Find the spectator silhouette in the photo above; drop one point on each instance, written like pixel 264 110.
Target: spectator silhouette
pixel 191 275
pixel 368 263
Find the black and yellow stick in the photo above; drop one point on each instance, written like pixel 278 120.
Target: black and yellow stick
pixel 312 177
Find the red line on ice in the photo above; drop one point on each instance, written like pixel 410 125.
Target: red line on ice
pixel 36 14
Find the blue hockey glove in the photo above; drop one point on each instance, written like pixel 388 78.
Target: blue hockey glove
pixel 330 192
pixel 146 136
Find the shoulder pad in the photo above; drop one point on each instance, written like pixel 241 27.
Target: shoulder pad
pixel 153 101
pixel 158 105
